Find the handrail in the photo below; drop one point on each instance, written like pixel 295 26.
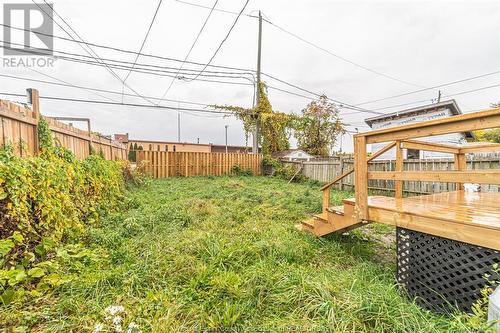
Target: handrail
pixel 326 188
pixel 347 173
pixel 458 123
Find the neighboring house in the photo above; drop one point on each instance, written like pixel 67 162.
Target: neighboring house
pixel 293 155
pixel 415 115
pixel 231 149
pixel 152 145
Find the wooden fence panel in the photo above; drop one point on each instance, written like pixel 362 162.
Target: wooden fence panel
pixel 162 164
pixel 18 126
pixel 327 170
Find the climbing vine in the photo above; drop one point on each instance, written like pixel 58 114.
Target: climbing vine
pixel 315 129
pixel 274 126
pixel 43 201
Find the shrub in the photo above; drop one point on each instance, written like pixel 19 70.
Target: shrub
pixel 46 199
pixel 239 171
pixel 275 168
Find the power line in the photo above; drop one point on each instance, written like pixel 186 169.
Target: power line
pixel 190 49
pixel 137 69
pixel 342 106
pixel 426 100
pixel 340 103
pixel 95 55
pixel 343 58
pixel 65 83
pixel 95 89
pixel 247 71
pixel 217 10
pixel 186 71
pixel 55 98
pixel 145 38
pixel 224 40
pixel 430 88
pixel 318 47
pixel 159 73
pixel 128 51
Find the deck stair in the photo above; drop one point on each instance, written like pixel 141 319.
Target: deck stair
pixel 336 218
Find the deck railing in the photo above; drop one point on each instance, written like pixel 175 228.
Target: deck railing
pixel 402 137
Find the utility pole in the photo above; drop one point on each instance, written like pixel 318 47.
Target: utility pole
pixel 178 127
pixel 255 147
pixel 439 96
pixel 178 123
pixel 226 136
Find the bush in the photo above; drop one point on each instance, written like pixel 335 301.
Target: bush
pixel 46 199
pixel 239 171
pixel 275 168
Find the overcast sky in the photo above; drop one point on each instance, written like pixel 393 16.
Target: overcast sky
pixel 424 43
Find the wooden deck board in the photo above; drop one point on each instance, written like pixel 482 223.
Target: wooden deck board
pixel 469 217
pixel 478 208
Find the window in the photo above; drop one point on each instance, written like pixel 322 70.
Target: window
pixel 166 147
pixel 174 148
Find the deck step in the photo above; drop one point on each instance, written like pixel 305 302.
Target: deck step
pixel 309 223
pixel 349 201
pixel 335 219
pixel 337 210
pixel 322 216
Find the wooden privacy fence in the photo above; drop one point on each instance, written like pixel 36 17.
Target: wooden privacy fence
pixel 325 171
pixel 19 126
pixel 162 164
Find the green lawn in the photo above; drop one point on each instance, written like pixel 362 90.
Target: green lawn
pixel 193 253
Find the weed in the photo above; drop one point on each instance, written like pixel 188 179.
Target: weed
pixel 222 254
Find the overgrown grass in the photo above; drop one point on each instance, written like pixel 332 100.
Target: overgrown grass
pixel 194 253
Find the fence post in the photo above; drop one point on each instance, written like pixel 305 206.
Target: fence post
pixel 398 184
pixel 34 100
pixel 341 185
pixel 460 165
pixel 361 178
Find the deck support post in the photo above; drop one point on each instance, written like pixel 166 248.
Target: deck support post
pixel 361 178
pixel 398 184
pixel 326 199
pixel 460 165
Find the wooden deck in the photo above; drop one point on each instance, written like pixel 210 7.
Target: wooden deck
pixel 471 217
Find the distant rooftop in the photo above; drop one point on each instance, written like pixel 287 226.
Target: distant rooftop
pixel 450 105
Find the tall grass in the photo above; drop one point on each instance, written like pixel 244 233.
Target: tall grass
pixel 222 253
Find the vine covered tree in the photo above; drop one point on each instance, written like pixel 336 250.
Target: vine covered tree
pixel 274 126
pixel 317 130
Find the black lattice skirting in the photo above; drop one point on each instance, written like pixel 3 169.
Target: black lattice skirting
pixel 440 273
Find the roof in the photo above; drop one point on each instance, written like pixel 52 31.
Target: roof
pixel 168 142
pixel 450 105
pixel 284 153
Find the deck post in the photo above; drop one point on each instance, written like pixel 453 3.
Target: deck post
pixel 398 184
pixel 460 165
pixel 326 199
pixel 361 178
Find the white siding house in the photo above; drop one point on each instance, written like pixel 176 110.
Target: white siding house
pixel 293 155
pixel 415 115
